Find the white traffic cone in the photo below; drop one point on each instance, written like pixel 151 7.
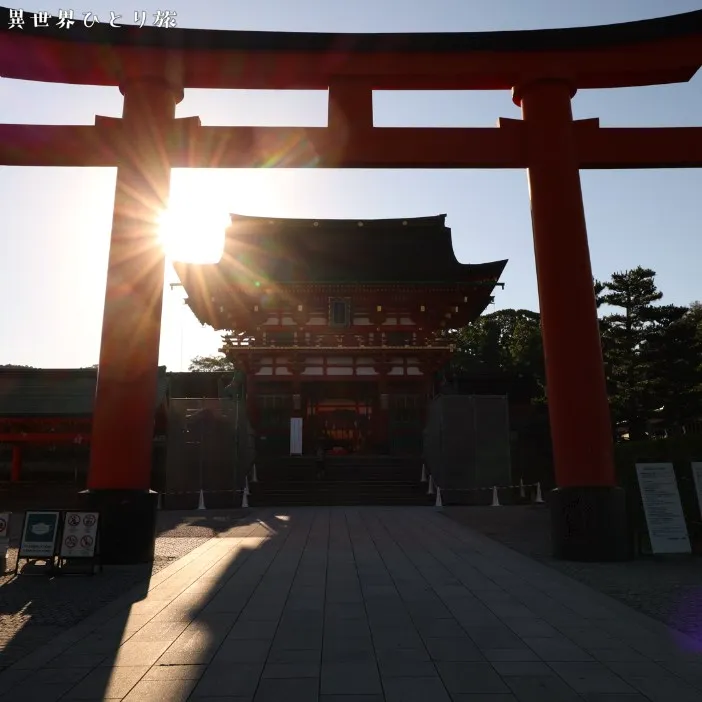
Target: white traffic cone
pixel 538 500
pixel 430 490
pixel 244 500
pixel 246 486
pixel 423 479
pixel 201 501
pixel 495 498
pixel 254 475
pixel 521 489
pixel 438 502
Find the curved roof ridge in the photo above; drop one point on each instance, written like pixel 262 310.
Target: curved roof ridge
pixel 439 220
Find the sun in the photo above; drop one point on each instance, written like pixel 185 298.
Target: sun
pixel 193 231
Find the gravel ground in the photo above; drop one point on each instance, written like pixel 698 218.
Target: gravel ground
pixel 668 589
pixel 33 609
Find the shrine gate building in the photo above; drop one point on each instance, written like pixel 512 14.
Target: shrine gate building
pixel 338 323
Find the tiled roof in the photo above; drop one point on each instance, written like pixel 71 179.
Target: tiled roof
pixel 260 249
pixel 37 392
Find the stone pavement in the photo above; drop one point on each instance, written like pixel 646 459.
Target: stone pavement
pixel 360 605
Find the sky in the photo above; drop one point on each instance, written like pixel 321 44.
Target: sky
pixel 56 222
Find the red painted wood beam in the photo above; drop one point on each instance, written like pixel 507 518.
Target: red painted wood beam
pixel 297 147
pixel 54 145
pixel 630 147
pixel 44 438
pixel 45 420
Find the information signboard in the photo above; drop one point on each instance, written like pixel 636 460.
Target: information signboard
pixel 664 513
pixel 39 535
pixel 697 477
pixel 79 536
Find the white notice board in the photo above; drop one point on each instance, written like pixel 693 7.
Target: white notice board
pixel 295 436
pixel 79 534
pixel 697 476
pixel 662 507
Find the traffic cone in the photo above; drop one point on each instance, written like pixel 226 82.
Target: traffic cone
pixel 244 500
pixel 254 476
pixel 246 486
pixel 495 498
pixel 423 479
pixel 201 501
pixel 521 489
pixel 430 490
pixel 438 503
pixel 538 500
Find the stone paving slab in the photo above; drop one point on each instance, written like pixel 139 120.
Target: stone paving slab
pixel 363 604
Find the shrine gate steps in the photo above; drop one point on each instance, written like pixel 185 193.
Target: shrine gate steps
pixel 349 480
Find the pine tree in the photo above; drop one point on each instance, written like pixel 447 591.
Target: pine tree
pixel 674 348
pixel 631 374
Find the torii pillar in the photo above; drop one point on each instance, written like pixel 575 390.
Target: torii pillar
pixel 119 477
pixel 588 509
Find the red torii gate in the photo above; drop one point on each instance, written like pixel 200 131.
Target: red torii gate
pixel 543 69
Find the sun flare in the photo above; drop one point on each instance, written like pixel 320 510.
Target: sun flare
pixel 193 232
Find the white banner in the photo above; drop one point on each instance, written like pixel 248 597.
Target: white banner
pixel 662 507
pixel 295 436
pixel 697 476
pixel 79 535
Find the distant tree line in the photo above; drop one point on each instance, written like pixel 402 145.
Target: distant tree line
pixel 652 352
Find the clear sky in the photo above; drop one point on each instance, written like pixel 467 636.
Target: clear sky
pixel 56 222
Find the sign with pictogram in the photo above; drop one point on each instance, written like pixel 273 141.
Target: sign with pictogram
pixel 39 535
pixel 79 535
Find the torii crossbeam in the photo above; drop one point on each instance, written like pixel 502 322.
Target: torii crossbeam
pixel 543 69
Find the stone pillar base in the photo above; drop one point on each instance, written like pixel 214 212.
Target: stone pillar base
pixel 127 524
pixel 590 524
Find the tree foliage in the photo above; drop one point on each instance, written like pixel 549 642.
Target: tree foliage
pixel 211 364
pixel 506 341
pixel 652 352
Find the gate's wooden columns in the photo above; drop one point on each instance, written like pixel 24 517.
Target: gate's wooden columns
pixel 577 393
pixel 123 419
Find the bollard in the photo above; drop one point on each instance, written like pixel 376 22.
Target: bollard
pixel 423 479
pixel 201 501
pixel 538 500
pixel 495 498
pixel 438 502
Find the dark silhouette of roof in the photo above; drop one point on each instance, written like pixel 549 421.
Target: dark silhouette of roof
pixel 413 250
pixel 41 392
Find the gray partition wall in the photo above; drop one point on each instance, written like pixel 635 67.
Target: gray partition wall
pixel 209 447
pixel 467 445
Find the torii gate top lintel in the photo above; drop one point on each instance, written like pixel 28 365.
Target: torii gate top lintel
pixel 647 52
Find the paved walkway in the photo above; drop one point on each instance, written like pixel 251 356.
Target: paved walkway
pixel 360 605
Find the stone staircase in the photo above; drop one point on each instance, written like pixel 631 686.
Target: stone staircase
pixel 349 480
